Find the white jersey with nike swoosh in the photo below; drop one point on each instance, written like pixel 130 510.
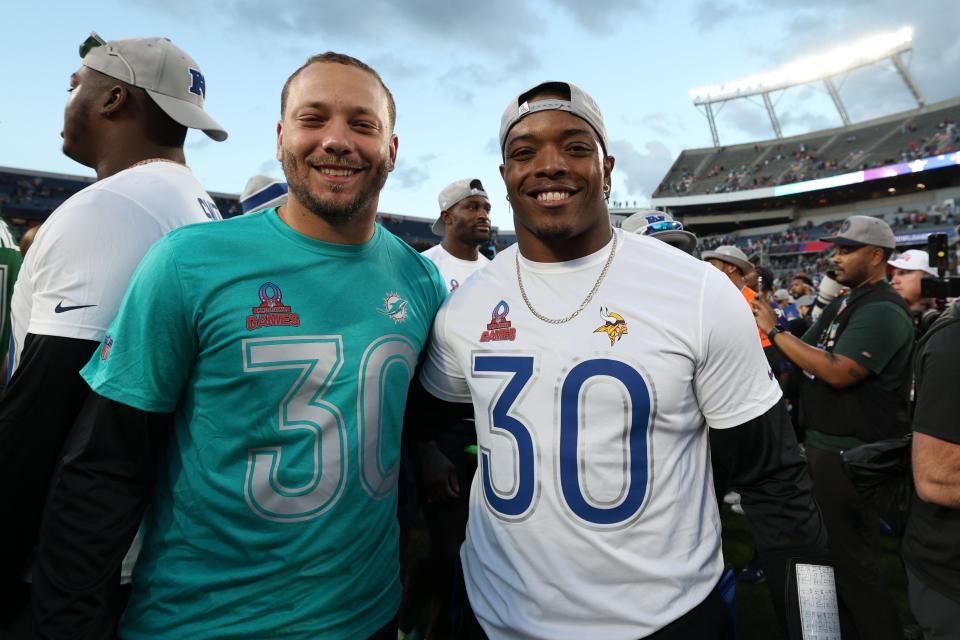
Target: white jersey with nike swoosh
pixel 77 269
pixel 592 514
pixel 454 270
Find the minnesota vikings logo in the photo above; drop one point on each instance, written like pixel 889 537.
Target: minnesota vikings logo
pixel 613 325
pixel 395 307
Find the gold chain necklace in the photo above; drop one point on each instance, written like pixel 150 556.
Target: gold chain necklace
pixel 586 301
pixel 152 160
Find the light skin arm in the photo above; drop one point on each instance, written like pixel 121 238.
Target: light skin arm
pixel 936 470
pixel 836 370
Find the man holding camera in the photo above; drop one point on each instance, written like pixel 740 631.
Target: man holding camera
pixel 856 358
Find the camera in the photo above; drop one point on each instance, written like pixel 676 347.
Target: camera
pixel 943 286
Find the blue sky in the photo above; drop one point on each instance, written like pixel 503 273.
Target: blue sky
pixel 453 65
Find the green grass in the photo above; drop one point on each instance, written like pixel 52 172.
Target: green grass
pixel 755 617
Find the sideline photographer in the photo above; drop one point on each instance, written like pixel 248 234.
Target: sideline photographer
pixel 931 543
pixel 856 391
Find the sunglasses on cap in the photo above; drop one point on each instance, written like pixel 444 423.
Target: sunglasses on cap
pixel 665 225
pixel 92 42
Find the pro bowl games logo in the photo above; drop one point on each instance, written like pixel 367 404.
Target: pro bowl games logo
pixel 395 307
pixel 105 349
pixel 499 327
pixel 272 312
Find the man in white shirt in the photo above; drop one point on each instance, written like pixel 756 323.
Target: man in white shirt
pixel 130 105
pixel 464 223
pixel 594 360
pixel 448 463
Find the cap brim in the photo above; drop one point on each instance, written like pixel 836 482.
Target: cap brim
pixel 189 115
pixel 438 227
pixel 746 267
pixel 909 266
pixel 843 242
pixel 683 240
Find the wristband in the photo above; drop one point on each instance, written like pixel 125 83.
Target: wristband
pixel 773 333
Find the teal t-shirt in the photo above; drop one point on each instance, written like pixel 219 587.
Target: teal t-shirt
pixel 286 362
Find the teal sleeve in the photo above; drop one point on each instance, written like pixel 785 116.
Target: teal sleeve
pixel 874 335
pixel 150 347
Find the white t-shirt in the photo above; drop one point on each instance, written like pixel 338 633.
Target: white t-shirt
pixel 454 270
pixel 77 269
pixel 592 514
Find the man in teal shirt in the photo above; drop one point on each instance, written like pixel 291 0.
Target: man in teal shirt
pixel 262 365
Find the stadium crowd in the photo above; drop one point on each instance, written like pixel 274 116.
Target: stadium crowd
pixel 226 428
pixel 727 170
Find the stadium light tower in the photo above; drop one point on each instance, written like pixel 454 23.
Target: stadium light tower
pixel 824 68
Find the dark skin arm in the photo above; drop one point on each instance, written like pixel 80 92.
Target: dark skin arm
pixel 836 370
pixel 437 473
pixel 936 470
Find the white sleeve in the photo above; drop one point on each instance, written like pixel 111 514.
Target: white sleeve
pixel 85 262
pixel 733 381
pixel 441 374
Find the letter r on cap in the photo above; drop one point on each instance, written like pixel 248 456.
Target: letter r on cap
pixel 198 85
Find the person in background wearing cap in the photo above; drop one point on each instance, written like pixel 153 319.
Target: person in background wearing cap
pixel 464 225
pixel 262 192
pixel 131 103
pixel 734 264
pixel 251 392
pixel 594 360
pixel 857 360
pixel 784 302
pixel 448 464
pixel 662 226
pixel 909 268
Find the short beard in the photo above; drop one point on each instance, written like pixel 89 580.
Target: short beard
pixel 333 215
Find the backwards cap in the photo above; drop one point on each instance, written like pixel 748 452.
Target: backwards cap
pixel 168 75
pixel 452 194
pixel 580 104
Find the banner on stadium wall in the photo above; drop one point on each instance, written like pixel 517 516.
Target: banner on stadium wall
pixel 845 179
pixel 920 237
pixel 813 246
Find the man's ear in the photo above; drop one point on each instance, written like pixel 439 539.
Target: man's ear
pixel 114 99
pixel 394 145
pixel 280 141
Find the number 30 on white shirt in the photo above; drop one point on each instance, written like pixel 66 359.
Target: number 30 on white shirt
pixel 517 371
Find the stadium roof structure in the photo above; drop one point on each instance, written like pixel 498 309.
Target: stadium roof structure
pixel 820 68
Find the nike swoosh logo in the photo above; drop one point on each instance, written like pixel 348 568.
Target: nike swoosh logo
pixel 60 308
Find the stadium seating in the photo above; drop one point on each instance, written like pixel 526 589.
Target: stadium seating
pixel 901 137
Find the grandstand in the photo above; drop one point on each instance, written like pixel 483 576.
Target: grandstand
pixel 28 197
pixel 775 198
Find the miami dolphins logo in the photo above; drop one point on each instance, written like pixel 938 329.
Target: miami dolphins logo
pixel 613 325
pixel 395 307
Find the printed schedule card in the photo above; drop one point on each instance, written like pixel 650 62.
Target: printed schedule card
pixel 817 591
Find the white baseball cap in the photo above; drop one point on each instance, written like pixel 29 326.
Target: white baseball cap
pixel 263 192
pixel 660 225
pixel 452 194
pixel 169 76
pixel 580 104
pixel 913 260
